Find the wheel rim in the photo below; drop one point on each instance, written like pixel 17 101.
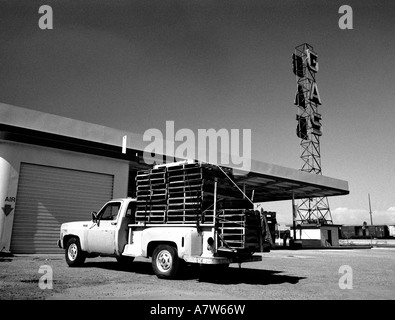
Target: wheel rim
pixel 72 252
pixel 164 261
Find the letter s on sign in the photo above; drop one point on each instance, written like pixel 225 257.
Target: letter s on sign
pixel 316 124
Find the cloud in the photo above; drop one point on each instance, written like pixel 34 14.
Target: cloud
pixel 349 216
pixel 358 216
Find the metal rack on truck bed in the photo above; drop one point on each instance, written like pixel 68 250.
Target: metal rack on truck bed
pixel 187 193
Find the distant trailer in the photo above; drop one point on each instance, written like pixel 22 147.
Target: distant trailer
pixel 361 232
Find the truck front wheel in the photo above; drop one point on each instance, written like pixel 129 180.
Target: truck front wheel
pixel 165 261
pixel 75 257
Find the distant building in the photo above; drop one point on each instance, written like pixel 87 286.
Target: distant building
pixel 365 232
pixel 316 235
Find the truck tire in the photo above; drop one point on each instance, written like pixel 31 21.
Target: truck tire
pixel 165 261
pixel 75 257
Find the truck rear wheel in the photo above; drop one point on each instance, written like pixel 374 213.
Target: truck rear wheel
pixel 75 257
pixel 165 261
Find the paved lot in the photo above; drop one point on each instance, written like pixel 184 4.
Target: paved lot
pixel 282 275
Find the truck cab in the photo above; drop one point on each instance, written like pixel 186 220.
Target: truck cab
pixel 105 234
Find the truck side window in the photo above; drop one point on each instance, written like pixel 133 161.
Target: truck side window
pixel 131 211
pixel 110 211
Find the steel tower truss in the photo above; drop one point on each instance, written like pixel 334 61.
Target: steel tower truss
pixel 305 67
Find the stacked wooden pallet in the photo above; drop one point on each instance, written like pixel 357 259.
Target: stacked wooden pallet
pixel 151 197
pixel 174 194
pixel 239 229
pixel 185 192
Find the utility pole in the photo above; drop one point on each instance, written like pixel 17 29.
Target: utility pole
pixel 370 211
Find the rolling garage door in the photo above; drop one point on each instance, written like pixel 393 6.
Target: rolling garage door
pixel 49 196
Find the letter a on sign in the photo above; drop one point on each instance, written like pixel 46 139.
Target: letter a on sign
pixel 314 94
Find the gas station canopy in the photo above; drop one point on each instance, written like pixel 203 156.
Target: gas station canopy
pixel 269 182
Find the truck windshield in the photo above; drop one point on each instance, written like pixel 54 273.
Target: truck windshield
pixel 110 211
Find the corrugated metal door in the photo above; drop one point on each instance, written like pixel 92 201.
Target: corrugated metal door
pixel 49 196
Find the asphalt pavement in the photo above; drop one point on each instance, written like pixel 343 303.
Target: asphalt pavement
pixel 347 274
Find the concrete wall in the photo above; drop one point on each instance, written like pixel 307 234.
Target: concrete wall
pixel 11 156
pixel 391 230
pixel 335 235
pixel 311 234
pixel 317 236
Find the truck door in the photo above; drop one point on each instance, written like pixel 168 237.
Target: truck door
pixel 101 237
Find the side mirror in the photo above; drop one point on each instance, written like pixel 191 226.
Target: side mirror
pixel 94 216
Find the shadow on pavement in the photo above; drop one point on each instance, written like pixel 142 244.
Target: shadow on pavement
pixel 231 275
pixel 249 276
pixel 136 266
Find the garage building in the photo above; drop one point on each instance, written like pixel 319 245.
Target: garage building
pixel 53 170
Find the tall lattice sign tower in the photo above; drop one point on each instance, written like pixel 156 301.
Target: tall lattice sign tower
pixel 309 130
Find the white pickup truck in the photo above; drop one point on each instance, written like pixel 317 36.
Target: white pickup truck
pixel 114 232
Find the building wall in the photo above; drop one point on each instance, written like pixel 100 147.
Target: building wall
pixel 391 230
pixel 334 234
pixel 13 154
pixel 310 234
pixel 375 231
pixel 348 232
pixel 317 236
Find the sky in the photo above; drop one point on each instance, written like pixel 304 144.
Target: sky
pixel 133 65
